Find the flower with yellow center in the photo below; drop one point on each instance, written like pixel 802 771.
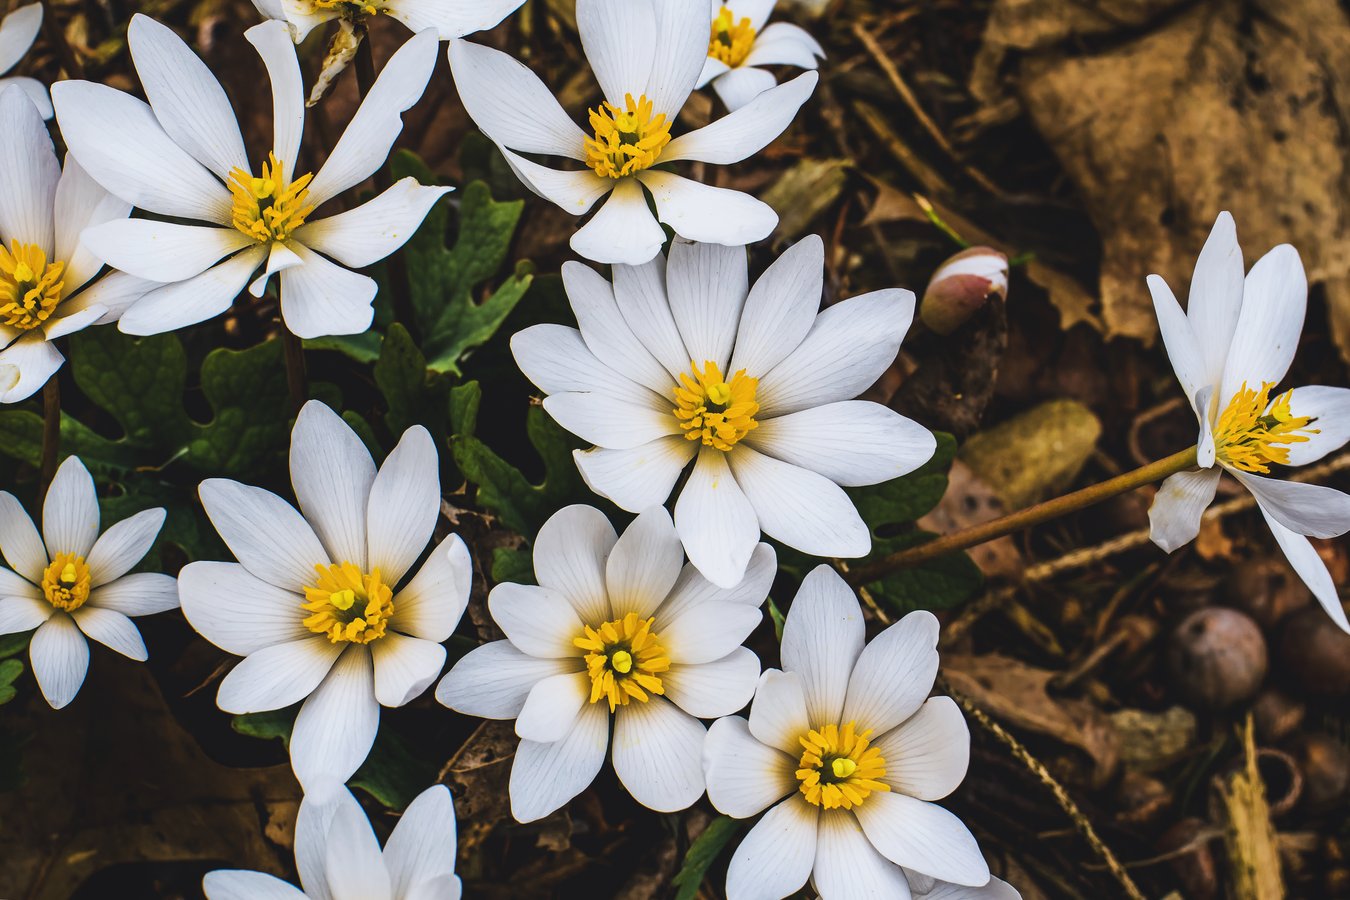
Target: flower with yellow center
pixel 731 38
pixel 719 413
pixel 30 287
pixel 850 808
pixel 71 583
pixel 618 628
pixel 266 208
pixel 1230 347
pixel 647 55
pixel 311 604
pixel 741 43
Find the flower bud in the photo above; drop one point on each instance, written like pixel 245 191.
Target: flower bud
pixel 961 285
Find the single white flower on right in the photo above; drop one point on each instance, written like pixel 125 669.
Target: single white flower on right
pixel 741 43
pixel 848 750
pixel 1230 348
pixel 18 30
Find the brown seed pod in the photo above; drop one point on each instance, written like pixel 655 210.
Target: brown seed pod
pixel 1325 764
pixel 1194 867
pixel 1316 652
pixel 1277 715
pixel 1217 658
pixel 1266 589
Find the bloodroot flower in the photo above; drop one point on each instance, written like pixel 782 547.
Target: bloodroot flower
pixel 847 753
pixel 741 44
pixel 1230 348
pixel 71 582
pixel 311 605
pixel 18 30
pixel 616 629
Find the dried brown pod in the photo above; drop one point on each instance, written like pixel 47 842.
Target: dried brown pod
pixel 1325 764
pixel 1316 652
pixel 1276 715
pixel 1193 863
pixel 1143 799
pixel 1216 658
pixel 1266 589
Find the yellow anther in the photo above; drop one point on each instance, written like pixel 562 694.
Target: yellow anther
pixel 30 287
pixel 1254 431
pixel 716 411
pixel 626 140
pixel 720 393
pixel 66 582
pixel 343 600
pixel 843 767
pixel 731 40
pixel 624 661
pixel 839 768
pixel 23 272
pixel 265 208
pixel 68 573
pixel 347 604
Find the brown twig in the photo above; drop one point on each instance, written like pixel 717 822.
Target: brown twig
pixel 297 381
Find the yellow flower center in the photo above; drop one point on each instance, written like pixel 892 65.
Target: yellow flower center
pixel 624 660
pixel 731 40
pixel 265 208
pixel 348 605
pixel 626 140
pixel 715 411
pixel 1248 436
pixel 350 8
pixel 65 583
pixel 839 768
pixel 30 287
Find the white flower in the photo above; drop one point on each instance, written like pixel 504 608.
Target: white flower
pixel 683 359
pixel 182 156
pixel 1230 348
pixel 449 18
pixel 18 30
pixel 72 582
pixel 647 55
pixel 311 604
pixel 926 888
pixel 846 748
pixel 617 628
pixel 339 856
pixel 740 43
pixel 45 270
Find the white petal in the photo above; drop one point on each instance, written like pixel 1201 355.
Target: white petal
pixel 693 589
pixel 822 638
pixel 303 16
pixel 111 629
pixel 279 259
pixel 851 442
pixel 996 889
pixel 1310 567
pixel 142 594
pixel 69 321
pixel 619 39
pixel 708 284
pixel 1274 300
pixel 644 564
pixel 313 823
pixel 36 361
pixel 781 307
pixel 718 688
pixel 1183 346
pixel 36 91
pixel 59 655
pixel 1174 516
pixel 352 858
pixel 848 348
pixel 422 845
pixel 19 540
pixel 265 533
pixel 613 421
pixel 746 131
pixel 1330 408
pixel 188 302
pixel 709 631
pixel 927 756
pixel 894 674
pixel 776 857
pixel 431 604
pixel 236 611
pixel 712 67
pixel 119 141
pixel 511 105
pixel 187 99
pixel 162 251
pixel 493 680
pixel 365 145
pixel 847 865
pixel 623 231
pixel 81 202
pixel 778 716
pixel 638 477
pixel 677 58
pixel 273 43
pixel 20 613
pixel 452 18
pixel 537 620
pixel 1315 510
pixel 574 192
pixel 552 706
pixel 14 585
pixel 277 676
pixel 757 11
pixel 1216 296
pixel 444 887
pixel 800 508
pixel 922 836
pixel 26 152
pixel 738 87
pixel 18 30
pixel 123 545
pixel 237 884
pixel 716 522
pixel 744 776
pixel 321 298
pixel 332 473
pixel 640 292
pixel 70 510
pixel 784 44
pixel 713 215
pixel 545 776
pixel 336 727
pixel 366 234
pixel 658 750
pixel 606 333
pixel 558 361
pixel 404 667
pixel 570 555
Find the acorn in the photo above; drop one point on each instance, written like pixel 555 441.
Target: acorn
pixel 1217 658
pixel 1325 764
pixel 1276 715
pixel 1266 589
pixel 1194 868
pixel 962 285
pixel 1316 652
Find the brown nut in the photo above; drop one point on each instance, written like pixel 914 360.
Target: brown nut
pixel 1266 589
pixel 1277 715
pixel 1143 799
pixel 1194 867
pixel 1325 764
pixel 1315 651
pixel 1217 658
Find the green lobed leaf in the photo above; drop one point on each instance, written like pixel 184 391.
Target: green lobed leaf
pixel 10 669
pixel 703 852
pixel 13 644
pixel 412 393
pixel 515 566
pixel 138 381
pixel 251 402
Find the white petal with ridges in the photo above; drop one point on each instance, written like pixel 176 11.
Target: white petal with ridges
pixel 81 203
pixel 709 631
pixel 1181 501
pixel 405 501
pixel 693 589
pixel 19 613
pixel 432 603
pixel 716 522
pixel 927 755
pixel 422 845
pixel 404 667
pixel 273 42
pixel 777 856
pixel 59 655
pixel 822 638
pixel 336 727
pixel 1314 510
pixel 451 18
pixel 112 629
pixel 606 333
pixel 544 777
pixel 366 234
pixel 677 58
pixel 612 421
pixel 571 552
pixel 893 674
pixel 785 44
pixel 26 151
pixel 142 594
pixel 1330 408
pixel 265 533
pixel 1215 300
pixel 277 676
pixel 741 85
pixel 18 30
pixel 1310 567
pixel 644 564
pixel 619 39
pixel 778 715
pixel 744 776
pixel 321 298
pixel 238 884
pixel 123 545
pixel 492 681
pixel 19 540
pixel 640 292
pixel 847 865
pixel 573 191
pixel 1178 334
pixel 188 302
pixel 557 360
pixel 552 706
pixel 804 510
pixel 707 285
pixel 537 620
pixel 923 836
pixel 712 215
pixel 851 442
pixel 231 608
pixel 718 688
pixel 638 477
pixel 746 131
pixel 623 231
pixel 781 307
pixel 1274 300
pixel 70 510
pixel 658 750
pixel 35 360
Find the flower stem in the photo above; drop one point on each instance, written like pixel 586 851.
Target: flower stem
pixel 51 430
pixel 297 381
pixel 1025 518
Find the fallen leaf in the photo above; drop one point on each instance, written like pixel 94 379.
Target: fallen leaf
pixel 1034 454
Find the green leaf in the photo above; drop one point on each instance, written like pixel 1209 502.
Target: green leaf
pixel 138 381
pixel 778 619
pixel 248 395
pixel 10 669
pixel 703 852
pixel 905 499
pixel 414 395
pixel 12 644
pixel 516 566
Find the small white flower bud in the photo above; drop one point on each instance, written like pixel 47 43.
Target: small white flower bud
pixel 961 285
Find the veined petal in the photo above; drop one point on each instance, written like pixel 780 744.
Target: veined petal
pixel 738 87
pixel 20 614
pixel 321 298
pixel 757 11
pixel 404 667
pixel 35 359
pixel 1174 517
pixel 923 836
pixel 26 153
pixel 712 68
pixel 708 631
pixel 711 215
pixel 552 706
pixel 235 610
pixel 606 333
pixel 744 776
pixel 620 40
pixel 640 292
pixel 68 321
pixel 81 202
pixel 59 655
pixel 558 361
pixel 12 584
pixel 331 471
pixel 708 285
pixel 238 884
pixel 1183 348
pixel 19 540
pixel 781 307
pixel 1329 407
pixel 778 715
pixel 431 604
pixel 1216 296
pixel 893 674
pixel 611 421
pixel 537 620
pixel 1274 300
pixel 185 303
pixel 785 44
pixel 638 477
pixel 571 552
pixel 113 295
pixel 277 676
pixel 927 755
pixel 1310 567
pixel 643 565
pixel 802 509
pixel 717 524
pixel 492 681
pixel 18 30
pixel 273 42
pixel 822 638
pixel 70 510
pixel 336 727
pixel 545 776
pixel 713 689
pixel 658 750
pixel 746 131
pixel 123 545
pixel 366 234
pixel 422 844
pixel 405 502
pixel 111 629
pixel 451 18
pixel 848 865
pixel 265 533
pixel 1314 510
pixel 142 594
pixel 852 442
pixel 36 91
pixel 693 589
pixel 623 231
pixel 162 251
pixel 777 856
pixel 279 259
pixel 996 889
pixel 678 55
pixel 313 824
pixel 574 192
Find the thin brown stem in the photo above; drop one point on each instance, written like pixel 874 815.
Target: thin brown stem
pixel 1025 518
pixel 51 430
pixel 297 381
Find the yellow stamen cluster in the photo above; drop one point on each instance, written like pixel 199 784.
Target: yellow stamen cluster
pixel 351 8
pixel 30 287
pixel 65 583
pixel 265 208
pixel 839 768
pixel 624 660
pixel 713 410
pixel 626 140
pixel 731 40
pixel 1253 432
pixel 347 605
